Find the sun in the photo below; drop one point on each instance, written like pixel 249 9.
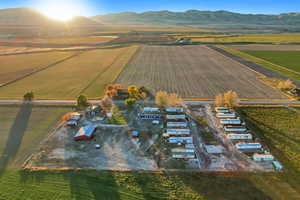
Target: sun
pixel 64 10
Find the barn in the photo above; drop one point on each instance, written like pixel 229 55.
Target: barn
pixel 85 133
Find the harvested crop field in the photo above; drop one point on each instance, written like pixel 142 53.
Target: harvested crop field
pixel 143 38
pixel 88 72
pixel 193 72
pixel 265 47
pixel 16 66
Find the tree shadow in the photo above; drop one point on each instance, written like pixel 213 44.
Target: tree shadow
pixel 15 137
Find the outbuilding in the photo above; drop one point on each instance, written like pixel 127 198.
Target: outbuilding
pixel 85 133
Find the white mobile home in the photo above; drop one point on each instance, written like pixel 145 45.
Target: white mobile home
pixel 234 136
pixel 178 132
pixel 235 129
pixel 230 121
pixel 248 146
pixel 176 140
pixel 226 115
pixel 174 110
pixel 263 157
pixel 175 117
pixel 177 124
pixel 221 110
pixel 151 110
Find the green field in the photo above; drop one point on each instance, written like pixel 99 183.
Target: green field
pixel 289 59
pixel 279 128
pixel 86 73
pixel 255 38
pixel 274 67
pixel 22 129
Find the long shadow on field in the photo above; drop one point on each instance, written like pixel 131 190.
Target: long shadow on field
pixel 213 186
pixel 15 137
pixel 92 185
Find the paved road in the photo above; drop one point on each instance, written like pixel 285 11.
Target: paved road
pixel 72 102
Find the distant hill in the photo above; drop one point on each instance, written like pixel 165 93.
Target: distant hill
pixel 29 16
pixel 196 17
pixel 23 16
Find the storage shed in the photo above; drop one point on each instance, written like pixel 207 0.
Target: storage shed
pixel 85 133
pixel 72 123
pixel 277 165
pixel 135 134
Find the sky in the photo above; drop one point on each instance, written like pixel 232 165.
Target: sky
pixel 94 7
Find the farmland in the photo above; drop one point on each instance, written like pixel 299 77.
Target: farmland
pixel 16 66
pixel 23 127
pixel 279 129
pixel 289 59
pixel 86 73
pixel 191 72
pixel 87 40
pixel 269 65
pixel 246 38
pixel 142 39
pixel 265 47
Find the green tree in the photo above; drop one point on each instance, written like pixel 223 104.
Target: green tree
pixel 130 102
pixel 82 101
pixel 29 96
pixel 133 91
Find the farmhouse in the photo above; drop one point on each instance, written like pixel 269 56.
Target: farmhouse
pixel 176 140
pixel 85 133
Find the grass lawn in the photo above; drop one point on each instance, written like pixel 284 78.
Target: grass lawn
pixel 263 62
pixel 15 66
pixel 289 59
pixel 22 129
pixel 87 73
pixel 279 128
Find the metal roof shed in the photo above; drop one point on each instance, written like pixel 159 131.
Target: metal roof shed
pixel 85 133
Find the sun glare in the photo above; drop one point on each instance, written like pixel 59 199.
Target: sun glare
pixel 63 10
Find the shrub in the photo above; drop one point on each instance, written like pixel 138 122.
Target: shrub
pixel 29 96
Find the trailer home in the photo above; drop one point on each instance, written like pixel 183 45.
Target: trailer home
pixel 174 110
pixel 248 146
pixel 235 129
pixel 262 157
pixel 233 136
pixel 178 132
pixel 226 115
pixel 177 124
pixel 230 121
pixel 176 140
pixel 221 110
pixel 175 117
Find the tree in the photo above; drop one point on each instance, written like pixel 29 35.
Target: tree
pixel 161 98
pixel 130 102
pixel 230 98
pixel 219 100
pixel 133 91
pixel 82 101
pixel 106 103
pixel 285 85
pixel 174 100
pixel 29 96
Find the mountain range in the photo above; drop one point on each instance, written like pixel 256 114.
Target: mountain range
pixel 210 19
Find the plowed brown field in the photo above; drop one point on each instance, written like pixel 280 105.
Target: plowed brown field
pixel 193 72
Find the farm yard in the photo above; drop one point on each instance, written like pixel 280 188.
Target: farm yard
pixel 16 66
pixel 89 72
pixel 193 72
